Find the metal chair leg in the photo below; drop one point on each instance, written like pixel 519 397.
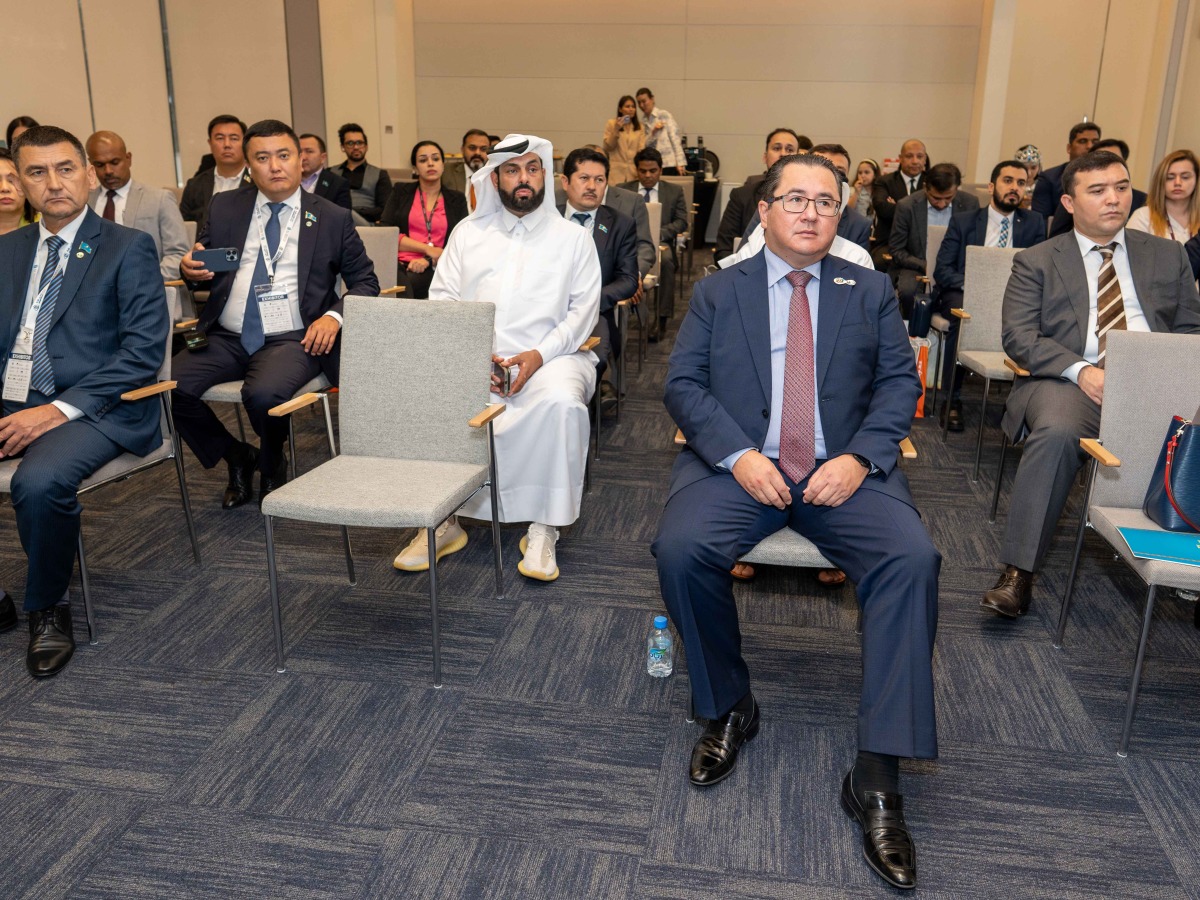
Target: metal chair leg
pixel 273 579
pixel 691 710
pixel 946 418
pixel 937 374
pixel 292 447
pixel 177 449
pixel 495 491
pixel 1136 682
pixel 328 424
pixel 1064 608
pixel 987 384
pixel 86 584
pixel 431 534
pixel 999 478
pixel 349 556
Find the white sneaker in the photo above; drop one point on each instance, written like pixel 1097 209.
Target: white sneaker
pixel 538 547
pixel 415 557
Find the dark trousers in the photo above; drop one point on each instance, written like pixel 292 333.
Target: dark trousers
pixel 44 497
pixel 606 330
pixel 1058 415
pixel 272 376
pixel 667 271
pixel 947 300
pixel 876 539
pixel 416 284
pixel 907 288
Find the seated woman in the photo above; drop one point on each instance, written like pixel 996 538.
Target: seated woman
pixel 1172 208
pixel 15 210
pixel 426 213
pixel 623 138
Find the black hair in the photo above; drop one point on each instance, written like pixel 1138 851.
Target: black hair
pixel 582 155
pixel 1116 144
pixel 412 157
pixel 18 122
pixel 46 136
pixel 770 184
pixel 316 137
pixel 649 93
pixel 636 122
pixel 5 153
pixel 804 142
pixel 775 131
pixel 1008 164
pixel 648 154
pixel 476 131
pixel 226 120
pixel 268 128
pixel 1089 162
pixel 349 127
pixel 1078 129
pixel 943 176
pixel 836 149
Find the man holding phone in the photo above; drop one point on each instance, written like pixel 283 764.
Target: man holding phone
pixel 270 259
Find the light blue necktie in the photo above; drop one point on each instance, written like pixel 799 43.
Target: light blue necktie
pixel 1003 233
pixel 581 218
pixel 252 328
pixel 42 379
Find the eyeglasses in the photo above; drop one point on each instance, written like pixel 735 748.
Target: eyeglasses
pixel 354 143
pixel 798 203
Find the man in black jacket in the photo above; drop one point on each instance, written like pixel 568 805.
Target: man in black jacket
pixel 315 177
pixel 225 137
pixel 894 187
pixel 743 201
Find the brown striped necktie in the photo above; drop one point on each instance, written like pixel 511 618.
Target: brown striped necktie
pixel 1110 305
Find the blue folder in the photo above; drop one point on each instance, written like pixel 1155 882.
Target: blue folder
pixel 1165 546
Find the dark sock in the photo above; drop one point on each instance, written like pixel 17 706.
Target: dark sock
pixel 745 706
pixel 876 772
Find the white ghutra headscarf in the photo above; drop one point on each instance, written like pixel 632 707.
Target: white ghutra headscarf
pixel 487 198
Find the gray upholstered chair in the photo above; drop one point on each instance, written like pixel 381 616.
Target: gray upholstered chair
pixel 939 323
pixel 980 348
pixel 1148 379
pixel 126 466
pixel 382 243
pixel 414 448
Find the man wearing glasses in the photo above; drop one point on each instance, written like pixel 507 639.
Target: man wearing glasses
pixel 793 381
pixel 370 186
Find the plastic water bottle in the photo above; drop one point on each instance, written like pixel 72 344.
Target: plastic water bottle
pixel 660 647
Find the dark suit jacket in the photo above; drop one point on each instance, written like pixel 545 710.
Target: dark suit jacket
pixel 674 209
pixel 741 207
pixel 615 235
pixel 718 386
pixel 893 185
pixel 970 230
pixel 400 202
pixel 329 247
pixel 1046 308
pixel 198 193
pixel 334 188
pixel 910 229
pixel 1046 191
pixel 109 330
pixel 1063 221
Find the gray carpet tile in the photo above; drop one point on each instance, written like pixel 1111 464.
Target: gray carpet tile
pixel 435 866
pixel 171 760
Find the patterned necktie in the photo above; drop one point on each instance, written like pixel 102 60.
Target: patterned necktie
pixel 797 428
pixel 1110 305
pixel 581 218
pixel 648 195
pixel 912 185
pixel 110 207
pixel 252 328
pixel 1003 233
pixel 42 378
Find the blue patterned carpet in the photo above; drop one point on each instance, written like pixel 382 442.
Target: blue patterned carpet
pixel 170 760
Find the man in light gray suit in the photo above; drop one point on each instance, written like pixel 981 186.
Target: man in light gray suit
pixel 1063 297
pixel 130 203
pixel 936 203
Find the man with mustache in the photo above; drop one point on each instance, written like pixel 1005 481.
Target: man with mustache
pixel 1001 224
pixel 475 146
pixel 543 274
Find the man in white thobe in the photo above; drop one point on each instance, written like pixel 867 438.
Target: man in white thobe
pixel 543 274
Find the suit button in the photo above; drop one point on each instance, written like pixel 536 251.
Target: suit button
pixel 766 414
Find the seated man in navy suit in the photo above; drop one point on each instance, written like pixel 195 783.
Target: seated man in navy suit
pixel 315 175
pixel 1001 224
pixel 274 321
pixel 83 319
pixel 793 381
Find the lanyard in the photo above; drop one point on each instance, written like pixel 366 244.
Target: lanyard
pixel 36 306
pixel 269 261
pixel 427 215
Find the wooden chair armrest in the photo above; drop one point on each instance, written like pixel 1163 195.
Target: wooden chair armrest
pixel 178 282
pixel 487 415
pixel 149 390
pixel 185 324
pixel 398 289
pixel 887 257
pixel 590 344
pixel 908 449
pixel 679 438
pixel 924 279
pixel 286 409
pixel 960 314
pixel 1096 450
pixel 1014 368
pixel 626 302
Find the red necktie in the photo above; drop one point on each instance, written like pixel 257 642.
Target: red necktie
pixel 110 209
pixel 797 429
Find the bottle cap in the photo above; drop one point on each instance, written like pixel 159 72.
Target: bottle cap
pixel 660 621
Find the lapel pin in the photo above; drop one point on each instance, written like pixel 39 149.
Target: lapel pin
pixel 310 217
pixel 849 281
pixel 603 228
pixel 85 248
pixel 308 224
pixel 79 255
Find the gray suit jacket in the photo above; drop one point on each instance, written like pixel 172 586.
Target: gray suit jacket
pixel 1046 306
pixel 154 211
pixel 910 227
pixel 632 205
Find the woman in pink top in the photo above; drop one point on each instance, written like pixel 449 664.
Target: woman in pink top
pixel 426 213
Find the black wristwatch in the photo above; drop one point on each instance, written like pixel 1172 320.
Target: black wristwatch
pixel 863 461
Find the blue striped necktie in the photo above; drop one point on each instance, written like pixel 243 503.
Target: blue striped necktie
pixel 252 327
pixel 42 379
pixel 1003 232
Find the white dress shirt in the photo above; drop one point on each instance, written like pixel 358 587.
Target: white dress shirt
pixel 653 198
pixel 995 217
pixel 119 200
pixel 310 183
pixel 1135 319
pixel 287 267
pixel 842 248
pixel 67 233
pixel 222 184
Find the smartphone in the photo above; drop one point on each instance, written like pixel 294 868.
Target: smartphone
pixel 221 259
pixel 505 376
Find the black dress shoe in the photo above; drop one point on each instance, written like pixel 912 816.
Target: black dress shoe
pixel 1010 597
pixel 955 422
pixel 8 614
pixel 276 479
pixel 887 845
pixel 51 641
pixel 241 479
pixel 715 753
pixel 608 397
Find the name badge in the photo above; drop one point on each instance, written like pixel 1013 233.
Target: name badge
pixel 17 376
pixel 274 308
